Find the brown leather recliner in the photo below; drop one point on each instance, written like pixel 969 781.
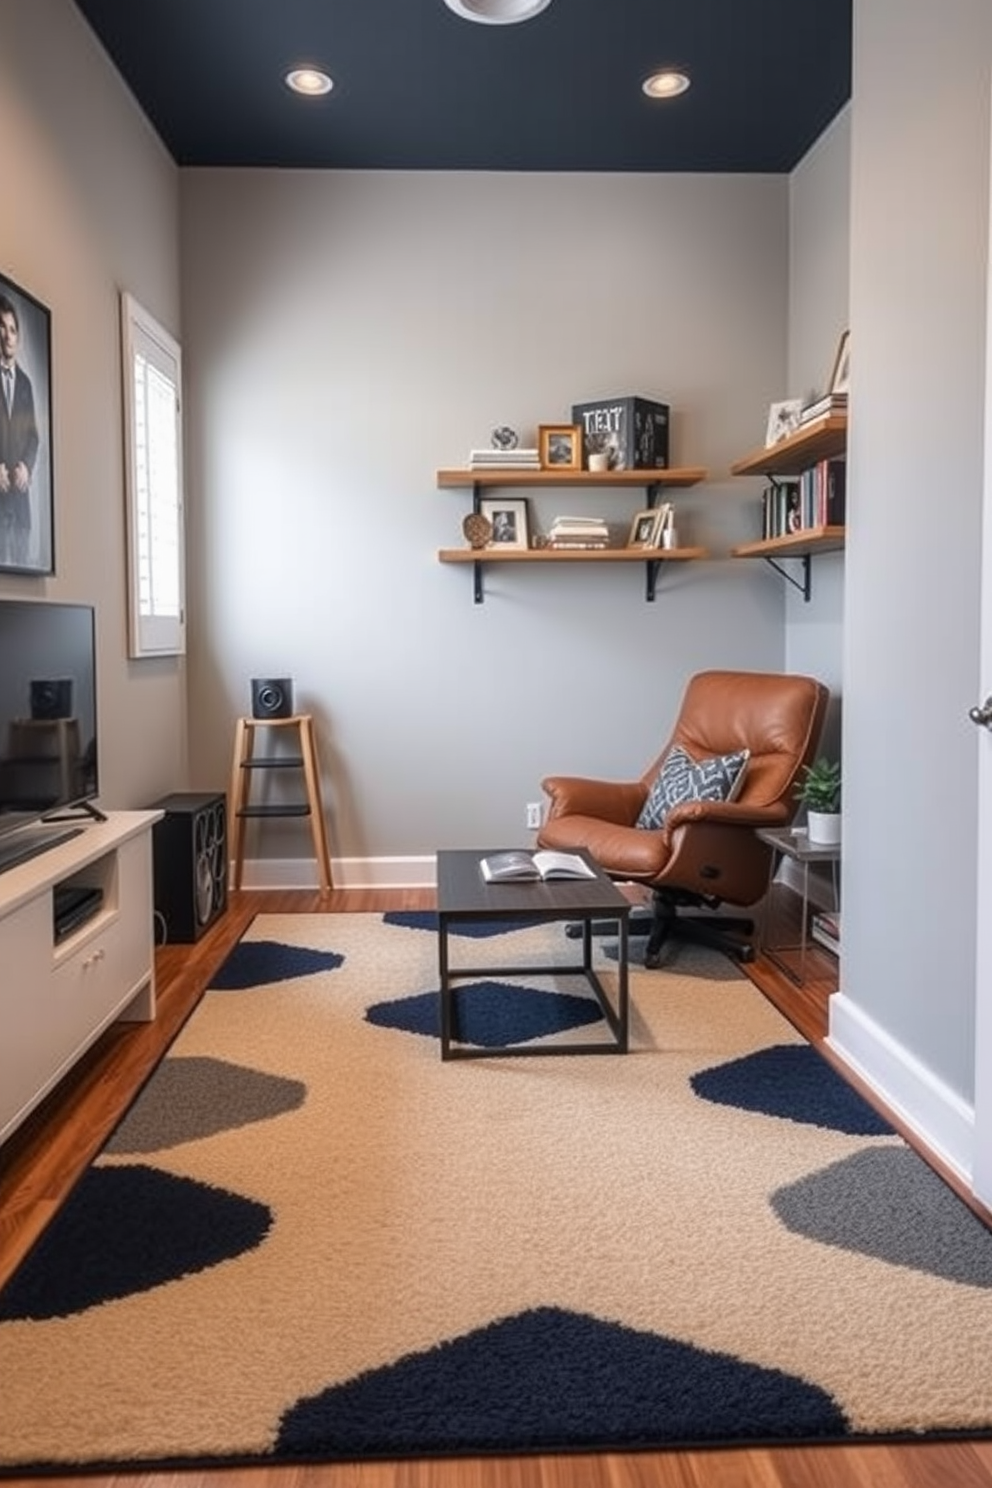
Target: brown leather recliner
pixel 707 853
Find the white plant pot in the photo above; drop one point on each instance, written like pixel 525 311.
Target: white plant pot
pixel 823 827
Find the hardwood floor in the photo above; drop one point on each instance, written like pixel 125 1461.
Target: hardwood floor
pixel 41 1162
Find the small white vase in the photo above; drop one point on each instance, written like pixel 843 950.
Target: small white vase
pixel 823 828
pixel 599 460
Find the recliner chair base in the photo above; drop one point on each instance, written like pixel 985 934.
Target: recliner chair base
pixel 720 932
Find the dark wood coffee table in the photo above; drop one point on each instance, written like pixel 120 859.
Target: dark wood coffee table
pixel 463 895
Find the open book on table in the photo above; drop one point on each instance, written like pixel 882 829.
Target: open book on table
pixel 512 867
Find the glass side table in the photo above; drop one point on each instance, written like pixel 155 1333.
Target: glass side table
pixel 789 842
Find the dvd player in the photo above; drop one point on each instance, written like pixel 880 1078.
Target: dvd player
pixel 73 905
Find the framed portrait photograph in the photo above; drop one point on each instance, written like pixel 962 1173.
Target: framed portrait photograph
pixel 509 522
pixel 26 495
pixel 560 446
pixel 645 529
pixel 783 420
pixel 840 377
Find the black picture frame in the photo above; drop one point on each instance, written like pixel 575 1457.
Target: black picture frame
pixel 27 488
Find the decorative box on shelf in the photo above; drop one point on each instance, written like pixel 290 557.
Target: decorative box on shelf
pixel 634 430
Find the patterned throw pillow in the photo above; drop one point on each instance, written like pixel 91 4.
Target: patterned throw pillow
pixel 681 778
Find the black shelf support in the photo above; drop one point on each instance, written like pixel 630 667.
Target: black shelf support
pixel 806 586
pixel 478 593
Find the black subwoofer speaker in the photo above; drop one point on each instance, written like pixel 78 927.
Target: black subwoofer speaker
pixel 272 697
pixel 189 855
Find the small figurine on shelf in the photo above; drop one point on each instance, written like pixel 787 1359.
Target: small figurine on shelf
pixel 478 530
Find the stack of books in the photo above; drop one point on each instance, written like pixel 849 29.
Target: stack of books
pixel 824 927
pixel 817 498
pixel 578 532
pixel 499 459
pixel 830 403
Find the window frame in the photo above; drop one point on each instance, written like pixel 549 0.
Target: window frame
pixel 151 633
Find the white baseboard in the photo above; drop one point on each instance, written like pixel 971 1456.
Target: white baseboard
pixel 347 873
pixel 941 1119
pixel 421 873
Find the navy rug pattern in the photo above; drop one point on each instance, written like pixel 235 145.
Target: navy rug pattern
pixel 335 1246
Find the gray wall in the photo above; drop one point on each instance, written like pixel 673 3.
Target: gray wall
pixel 919 243
pixel 347 334
pixel 819 311
pixel 90 208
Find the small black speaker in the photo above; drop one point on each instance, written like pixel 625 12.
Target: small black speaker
pixel 272 697
pixel 189 857
pixel 51 697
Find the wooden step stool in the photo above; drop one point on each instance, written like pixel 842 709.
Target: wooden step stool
pixel 246 762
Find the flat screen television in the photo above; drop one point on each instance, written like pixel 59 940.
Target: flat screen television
pixel 48 723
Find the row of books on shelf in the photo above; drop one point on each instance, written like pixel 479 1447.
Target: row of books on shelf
pixel 816 498
pixel 824 927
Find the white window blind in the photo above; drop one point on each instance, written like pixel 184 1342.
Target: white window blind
pixel 152 364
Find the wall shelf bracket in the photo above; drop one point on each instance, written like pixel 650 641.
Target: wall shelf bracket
pixel 805 586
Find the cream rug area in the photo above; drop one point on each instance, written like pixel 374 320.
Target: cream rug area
pixel 310 1239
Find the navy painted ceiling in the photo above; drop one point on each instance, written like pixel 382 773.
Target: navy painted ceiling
pixel 418 88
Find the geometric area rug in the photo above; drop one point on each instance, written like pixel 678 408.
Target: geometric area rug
pixel 310 1240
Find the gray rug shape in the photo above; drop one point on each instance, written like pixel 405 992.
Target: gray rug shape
pixel 886 1203
pixel 193 1097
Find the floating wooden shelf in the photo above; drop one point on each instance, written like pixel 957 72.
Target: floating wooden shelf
pixel 823 439
pixel 650 481
pixel 651 558
pixel 801 545
pixel 570 555
pixel 794 544
pixel 487 476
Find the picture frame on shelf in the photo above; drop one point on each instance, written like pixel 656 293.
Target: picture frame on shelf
pixel 560 446
pixel 509 520
pixel 645 529
pixel 840 377
pixel 783 420
pixel 26 481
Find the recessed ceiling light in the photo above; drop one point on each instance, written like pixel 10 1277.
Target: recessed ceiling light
pixel 665 84
pixel 497 12
pixel 309 81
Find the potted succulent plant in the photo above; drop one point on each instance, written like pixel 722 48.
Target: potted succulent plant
pixel 819 792
pixel 597 450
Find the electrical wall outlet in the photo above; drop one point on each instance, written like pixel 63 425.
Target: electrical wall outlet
pixel 533 814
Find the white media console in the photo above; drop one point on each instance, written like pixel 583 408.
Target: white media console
pixel 58 995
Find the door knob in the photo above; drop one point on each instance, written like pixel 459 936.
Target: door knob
pixel 982 715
